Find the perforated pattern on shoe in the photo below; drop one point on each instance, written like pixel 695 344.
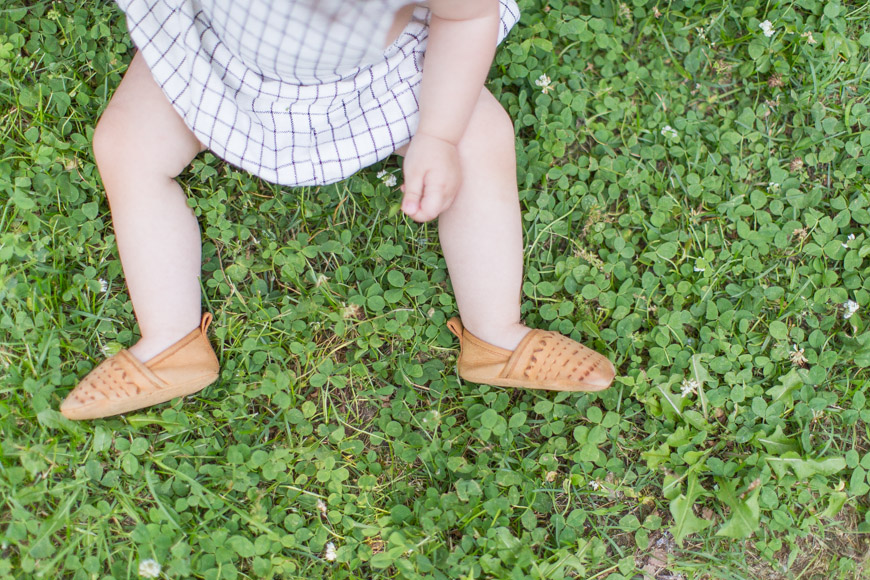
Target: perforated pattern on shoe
pixel 109 380
pixel 557 357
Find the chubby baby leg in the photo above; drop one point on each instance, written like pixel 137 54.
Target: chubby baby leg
pixel 481 235
pixel 140 145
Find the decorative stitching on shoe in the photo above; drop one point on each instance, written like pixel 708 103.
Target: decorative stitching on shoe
pixel 552 354
pixel 590 369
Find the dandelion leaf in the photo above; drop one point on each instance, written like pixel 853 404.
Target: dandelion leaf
pixel 836 501
pixel 657 456
pixel 696 420
pixel 777 443
pixel 685 520
pixel 745 514
pixel 788 383
pixel 671 403
pixel 804 469
pixel 681 436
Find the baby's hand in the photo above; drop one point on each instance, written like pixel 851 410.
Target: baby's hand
pixel 432 177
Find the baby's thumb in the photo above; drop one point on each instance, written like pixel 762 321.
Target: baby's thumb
pixel 413 190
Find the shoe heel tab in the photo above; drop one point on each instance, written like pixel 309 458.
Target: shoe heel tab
pixel 206 321
pixel 454 325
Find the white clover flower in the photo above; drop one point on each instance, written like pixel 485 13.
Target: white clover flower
pixel 697 269
pixel 149 568
pixel 809 36
pixel 767 28
pixel 321 506
pixel 851 308
pixel 387 178
pixel 689 386
pixel 669 132
pixel 351 311
pixel 545 83
pixel 849 238
pixel 329 553
pixel 773 187
pixel 321 280
pixel 594 485
pixel 797 356
pixel 104 286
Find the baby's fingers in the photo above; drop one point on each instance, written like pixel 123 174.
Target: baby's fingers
pixel 413 193
pixel 431 205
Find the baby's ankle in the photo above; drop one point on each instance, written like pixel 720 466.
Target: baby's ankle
pixel 150 346
pixel 507 337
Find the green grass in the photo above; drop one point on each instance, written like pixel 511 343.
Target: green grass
pixel 711 261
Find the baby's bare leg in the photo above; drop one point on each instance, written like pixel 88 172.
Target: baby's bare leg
pixel 481 233
pixel 140 145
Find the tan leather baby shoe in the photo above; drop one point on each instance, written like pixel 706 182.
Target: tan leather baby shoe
pixel 543 360
pixel 122 383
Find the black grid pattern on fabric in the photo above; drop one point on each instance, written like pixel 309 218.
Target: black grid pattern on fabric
pixel 295 92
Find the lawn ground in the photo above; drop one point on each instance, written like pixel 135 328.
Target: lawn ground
pixel 695 181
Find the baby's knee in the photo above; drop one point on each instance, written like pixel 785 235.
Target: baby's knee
pixel 125 144
pixel 107 142
pixel 500 123
pixel 491 130
pixel 117 150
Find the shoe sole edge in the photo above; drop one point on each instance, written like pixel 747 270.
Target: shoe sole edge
pixel 110 408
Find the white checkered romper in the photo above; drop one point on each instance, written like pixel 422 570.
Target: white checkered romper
pixel 297 92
